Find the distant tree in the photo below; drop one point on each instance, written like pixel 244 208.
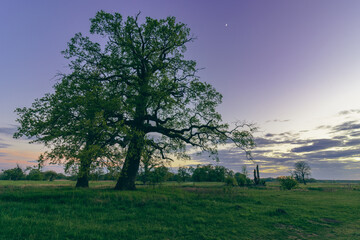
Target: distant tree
pixel 159 174
pixel 183 174
pixel 311 180
pixel 35 175
pixel 149 161
pixel 96 174
pixel 112 173
pixel 14 173
pixel 50 175
pixel 302 171
pixel 202 173
pixel 61 176
pixel 210 173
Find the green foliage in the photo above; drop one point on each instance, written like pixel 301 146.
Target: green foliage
pixel 122 92
pixel 13 174
pixel 159 174
pixel 35 175
pixel 242 179
pixel 60 176
pixel 311 180
pixel 231 181
pixel 209 173
pixel 287 182
pixel 183 174
pixel 50 175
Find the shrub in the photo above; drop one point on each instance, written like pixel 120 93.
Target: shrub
pixel 241 179
pixel 287 182
pixel 230 181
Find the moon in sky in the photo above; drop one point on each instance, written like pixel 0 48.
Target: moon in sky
pixel 226 25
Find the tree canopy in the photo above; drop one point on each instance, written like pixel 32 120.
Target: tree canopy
pixel 134 89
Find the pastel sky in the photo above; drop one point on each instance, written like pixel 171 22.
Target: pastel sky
pixel 290 67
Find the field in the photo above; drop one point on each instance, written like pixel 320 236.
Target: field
pixel 56 210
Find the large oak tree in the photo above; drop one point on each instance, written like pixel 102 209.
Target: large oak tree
pixel 150 93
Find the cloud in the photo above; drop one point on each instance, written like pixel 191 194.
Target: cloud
pixel 269 135
pixel 276 153
pixel 281 138
pixel 355 134
pixel 341 137
pixel 347 126
pixel 327 155
pixel 318 144
pixel 347 112
pixel 4 145
pixel 278 120
pixel 353 142
pixel 8 130
pixel 264 141
pixel 324 127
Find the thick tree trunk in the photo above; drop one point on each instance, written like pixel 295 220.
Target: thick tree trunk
pixel 83 181
pixel 83 175
pixel 304 181
pixel 128 173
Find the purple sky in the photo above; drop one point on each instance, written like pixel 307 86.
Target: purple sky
pixel 291 67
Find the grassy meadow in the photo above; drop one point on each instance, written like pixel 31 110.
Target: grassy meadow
pixel 56 210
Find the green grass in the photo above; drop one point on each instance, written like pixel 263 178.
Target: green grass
pixel 56 210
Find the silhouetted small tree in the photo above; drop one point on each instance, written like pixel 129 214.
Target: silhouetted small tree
pixel 301 172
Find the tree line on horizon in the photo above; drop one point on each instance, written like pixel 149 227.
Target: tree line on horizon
pixel 160 173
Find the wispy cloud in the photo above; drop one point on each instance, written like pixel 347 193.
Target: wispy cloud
pixel 278 120
pixel 328 155
pixel 318 144
pixel 4 145
pixel 347 126
pixel 353 142
pixel 8 130
pixel 347 112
